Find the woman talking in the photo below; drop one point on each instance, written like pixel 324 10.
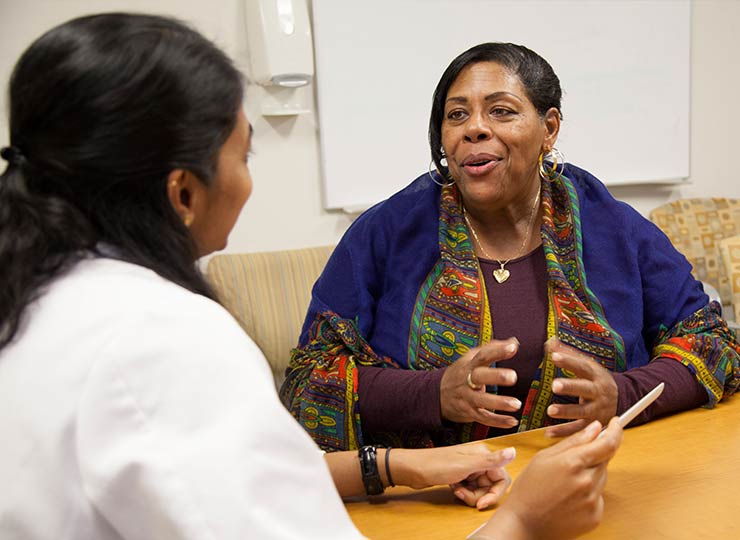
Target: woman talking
pixel 505 290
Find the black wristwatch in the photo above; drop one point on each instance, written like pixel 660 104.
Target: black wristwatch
pixel 369 466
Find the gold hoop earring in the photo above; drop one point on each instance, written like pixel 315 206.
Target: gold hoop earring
pixel 548 164
pixel 439 175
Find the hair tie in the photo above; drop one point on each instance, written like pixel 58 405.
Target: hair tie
pixel 12 155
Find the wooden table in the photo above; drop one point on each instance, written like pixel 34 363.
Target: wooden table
pixel 674 478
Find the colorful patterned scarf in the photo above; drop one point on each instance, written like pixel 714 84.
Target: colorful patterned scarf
pixel 451 315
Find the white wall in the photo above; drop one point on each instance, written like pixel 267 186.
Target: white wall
pixel 714 112
pixel 285 210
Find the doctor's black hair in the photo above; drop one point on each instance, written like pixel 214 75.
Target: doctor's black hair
pixel 102 108
pixel 535 73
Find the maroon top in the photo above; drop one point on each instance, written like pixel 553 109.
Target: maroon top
pixel 385 392
pixel 511 302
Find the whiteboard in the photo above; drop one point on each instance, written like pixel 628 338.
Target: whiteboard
pixel 623 66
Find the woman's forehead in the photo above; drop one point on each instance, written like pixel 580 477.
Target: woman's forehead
pixel 487 76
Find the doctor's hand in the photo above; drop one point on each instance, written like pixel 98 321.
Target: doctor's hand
pixel 475 474
pixel 463 396
pixel 559 494
pixel 593 385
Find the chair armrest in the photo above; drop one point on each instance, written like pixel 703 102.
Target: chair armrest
pixel 730 250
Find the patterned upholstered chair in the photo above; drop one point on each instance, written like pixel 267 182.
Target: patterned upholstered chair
pixel 730 248
pixel 268 294
pixel 696 227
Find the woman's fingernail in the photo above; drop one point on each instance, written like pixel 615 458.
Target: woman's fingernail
pixel 460 495
pixel 508 453
pixel 515 403
pixel 552 409
pixel 511 347
pixel 556 356
pixel 557 386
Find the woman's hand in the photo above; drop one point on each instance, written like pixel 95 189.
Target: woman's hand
pixel 558 495
pixel 475 474
pixel 462 403
pixel 593 385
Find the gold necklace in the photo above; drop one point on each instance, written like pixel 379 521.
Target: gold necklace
pixel 502 274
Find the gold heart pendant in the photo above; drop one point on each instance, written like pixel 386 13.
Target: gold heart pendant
pixel 501 274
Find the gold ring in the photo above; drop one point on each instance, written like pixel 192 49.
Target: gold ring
pixel 471 384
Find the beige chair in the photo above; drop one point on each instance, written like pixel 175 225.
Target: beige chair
pixel 268 294
pixel 696 227
pixel 730 248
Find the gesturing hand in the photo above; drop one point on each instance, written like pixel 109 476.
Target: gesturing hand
pixel 593 385
pixel 463 393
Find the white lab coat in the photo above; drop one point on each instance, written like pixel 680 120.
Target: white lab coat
pixel 131 408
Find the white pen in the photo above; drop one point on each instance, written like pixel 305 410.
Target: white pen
pixel 627 416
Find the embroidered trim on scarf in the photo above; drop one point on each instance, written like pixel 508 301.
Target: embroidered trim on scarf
pixel 575 315
pixel 447 319
pixel 697 342
pixel 320 390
